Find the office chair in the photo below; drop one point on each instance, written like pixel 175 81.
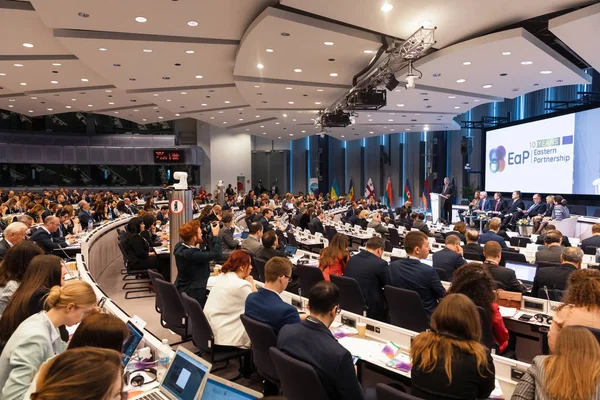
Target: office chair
pixel 173 315
pixel 394 237
pixel 512 257
pixel 351 298
pixel 487 335
pixel 309 276
pixel 153 276
pixel 443 275
pixel 259 265
pixel 263 338
pixel 406 309
pixel 385 392
pixel 299 381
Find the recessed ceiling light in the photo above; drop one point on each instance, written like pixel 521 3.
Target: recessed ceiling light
pixel 371 132
pixel 199 77
pixel 457 107
pixel 204 104
pixel 220 112
pixel 294 120
pixel 303 131
pixel 28 45
pixel 278 137
pixel 460 80
pixel 319 90
pixel 23 84
pixel 54 82
pixel 334 74
pixel 290 102
pixel 189 51
pixel 177 115
pixel 328 43
pixel 451 97
pixel 49 109
pixel 169 100
pixel 102 49
pixel 291 134
pixel 18 65
pixel 183 92
pixel 467 63
pixel 2 74
pixel 269 50
pixel 73 99
pixel 260 66
pixel 111 103
pixel 476 100
pixel 90 105
pixel 276 123
pixel 160 117
pixel 545 72
pixel 12 100
pixel 486 86
pixel 10 106
pixel 57 64
pixel 192 23
pixel 212 117
pixel 526 62
pixel 144 119
pixel 317 102
pixel 400 105
pixel 288 88
pixel 387 7
pixel 390 120
pixel 370 120
pixel 264 133
pixel 147 50
pixel 141 19
pixel 240 119
pixel 84 80
pixel 136 110
pixel 284 115
pixel 506 53
pixel 256 86
pixel 297 70
pixel 262 126
pixel 227 101
pixel 368 51
pixel 224 122
pixel 30 110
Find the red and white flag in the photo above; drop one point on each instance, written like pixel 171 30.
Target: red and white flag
pixel 370 189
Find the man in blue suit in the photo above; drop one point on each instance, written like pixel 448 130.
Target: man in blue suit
pixel 484 204
pixel 265 305
pixel 411 274
pixel 450 258
pixel 537 208
pixel 492 233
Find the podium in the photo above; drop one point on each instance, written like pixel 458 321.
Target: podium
pixel 437 205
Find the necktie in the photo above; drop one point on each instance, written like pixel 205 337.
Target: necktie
pixel 482 203
pixel 497 204
pixel 531 207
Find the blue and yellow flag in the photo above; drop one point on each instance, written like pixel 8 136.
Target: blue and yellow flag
pixel 335 190
pixel 351 191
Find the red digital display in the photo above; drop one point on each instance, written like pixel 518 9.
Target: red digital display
pixel 168 156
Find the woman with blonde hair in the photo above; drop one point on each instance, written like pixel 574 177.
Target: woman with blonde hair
pixel 85 373
pixel 334 257
pixel 581 305
pixel 571 373
pixel 449 362
pixel 37 338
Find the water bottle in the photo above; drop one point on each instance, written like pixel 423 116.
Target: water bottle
pixel 164 351
pixel 90 224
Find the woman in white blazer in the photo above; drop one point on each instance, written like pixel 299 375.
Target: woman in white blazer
pixel 227 299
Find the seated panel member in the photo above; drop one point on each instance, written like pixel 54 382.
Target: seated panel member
pixel 553 249
pixel 492 233
pixel 506 276
pixel 45 238
pixel 537 208
pixel 266 305
pixel 411 274
pixel 557 277
pixel 371 273
pixel 593 241
pixel 312 342
pixel 450 258
pixel 473 245
pixel 252 243
pixel 512 213
pixel 499 205
pixel 484 204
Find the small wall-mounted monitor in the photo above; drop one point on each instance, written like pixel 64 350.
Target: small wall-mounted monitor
pixel 169 156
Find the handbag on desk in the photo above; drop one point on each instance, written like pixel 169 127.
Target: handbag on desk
pixel 509 299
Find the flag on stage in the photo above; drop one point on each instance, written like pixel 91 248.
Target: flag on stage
pixel 370 189
pixel 426 192
pixel 407 195
pixel 388 192
pixel 351 191
pixel 335 190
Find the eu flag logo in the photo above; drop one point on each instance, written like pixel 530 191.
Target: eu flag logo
pixel 567 139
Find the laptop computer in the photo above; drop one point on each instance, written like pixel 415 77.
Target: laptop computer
pixel 524 272
pixel 132 342
pixel 221 389
pixel 184 380
pixel 245 234
pixel 290 251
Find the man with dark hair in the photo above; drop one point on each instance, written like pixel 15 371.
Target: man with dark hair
pixel 264 219
pixel 45 238
pixel 472 245
pixel 419 223
pixel 594 240
pixel 411 274
pixel 269 246
pixel 312 342
pixel 266 305
pixel 65 228
pixel 370 271
pixel 551 227
pixel 163 215
pixel 450 258
pixel 556 277
pixel 252 243
pixel 317 222
pixel 553 250
pixel 506 276
pixel 513 212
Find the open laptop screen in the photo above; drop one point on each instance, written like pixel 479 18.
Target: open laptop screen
pixel 217 389
pixel 290 250
pixel 184 376
pixel 524 272
pixel 132 342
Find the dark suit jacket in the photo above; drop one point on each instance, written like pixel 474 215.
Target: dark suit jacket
pixel 448 260
pixel 4 246
pixel 47 241
pixel 489 236
pixel 593 241
pixel 450 192
pixel 265 223
pixel 513 205
pixel 505 276
pixel 474 248
pixel 411 274
pixel 552 278
pixel 84 219
pixel 487 204
pixel 422 226
pixel 565 240
pixel 460 235
pixel 137 249
pixel 318 225
pixel 228 243
pixel 551 254
pixel 314 344
pixel 538 209
pixel 499 206
pixel 266 306
pixel 371 273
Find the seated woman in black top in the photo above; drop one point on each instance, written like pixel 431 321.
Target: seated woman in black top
pixel 192 263
pixel 460 230
pixel 150 232
pixel 100 212
pixel 44 272
pixel 449 362
pixel 140 255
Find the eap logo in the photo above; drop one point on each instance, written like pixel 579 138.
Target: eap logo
pixel 497 162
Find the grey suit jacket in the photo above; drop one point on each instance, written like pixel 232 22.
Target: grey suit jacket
pixel 378 226
pixel 551 254
pixel 228 243
pixel 252 245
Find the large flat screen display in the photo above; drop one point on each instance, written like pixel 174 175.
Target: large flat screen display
pixel 558 155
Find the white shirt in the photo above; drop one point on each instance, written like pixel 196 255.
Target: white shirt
pixel 223 308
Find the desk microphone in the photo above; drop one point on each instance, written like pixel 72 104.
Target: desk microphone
pixel 69 258
pixel 546 290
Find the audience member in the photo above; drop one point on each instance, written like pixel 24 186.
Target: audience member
pixel 449 362
pixel 572 372
pixel 549 228
pixel 555 277
pixel 592 241
pixel 266 305
pixel 227 300
pixel 163 215
pixel 140 256
pixel 192 263
pixel 371 274
pixel 149 233
pixel 411 274
pixel 492 233
pixel 228 243
pixel 505 276
pixel 581 304
pixel 312 342
pixel 37 338
pixel 419 223
pixel 450 258
pixel 477 284
pixel 333 258
pixel 13 268
pixel 264 220
pixel 317 222
pixel 460 230
pixel 45 235
pixel 269 246
pixel 252 244
pixel 85 217
pixel 472 244
pixel 553 249
pixel 13 234
pixel 376 224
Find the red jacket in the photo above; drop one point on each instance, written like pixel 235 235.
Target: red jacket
pixel 499 330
